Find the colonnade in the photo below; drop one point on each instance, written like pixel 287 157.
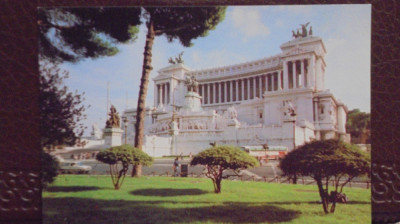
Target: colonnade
pixel 295 74
pixel 248 88
pixel 163 93
pixel 239 89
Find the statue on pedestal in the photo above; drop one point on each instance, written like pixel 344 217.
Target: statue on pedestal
pixel 289 111
pixel 191 83
pixel 113 120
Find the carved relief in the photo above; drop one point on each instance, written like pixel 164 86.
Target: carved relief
pixel 20 191
pixel 386 183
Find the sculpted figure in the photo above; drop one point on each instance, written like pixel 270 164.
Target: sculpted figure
pixel 177 60
pixel 191 83
pixel 289 109
pixel 304 29
pixel 113 120
pixel 171 61
pixel 232 113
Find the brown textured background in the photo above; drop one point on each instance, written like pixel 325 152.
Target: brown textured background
pixel 20 195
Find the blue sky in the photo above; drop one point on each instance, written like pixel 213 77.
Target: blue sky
pixel 247 33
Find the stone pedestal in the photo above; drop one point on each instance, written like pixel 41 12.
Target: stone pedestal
pixel 289 130
pixel 174 131
pixel 112 137
pixel 192 102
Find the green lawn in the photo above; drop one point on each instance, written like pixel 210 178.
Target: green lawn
pixel 92 199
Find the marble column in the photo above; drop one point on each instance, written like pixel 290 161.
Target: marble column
pixel 230 91
pixel 242 89
pixel 312 72
pixel 203 92
pixel 225 93
pixel 259 86
pixel 285 76
pixel 248 88
pixel 161 94
pixel 219 92
pixel 169 93
pixel 266 82
pixel 164 94
pixel 272 82
pixel 279 80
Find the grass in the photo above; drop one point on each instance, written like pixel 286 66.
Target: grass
pixel 92 199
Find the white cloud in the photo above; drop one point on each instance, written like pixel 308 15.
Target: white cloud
pixel 248 22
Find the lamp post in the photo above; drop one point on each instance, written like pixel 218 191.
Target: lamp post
pixel 293 116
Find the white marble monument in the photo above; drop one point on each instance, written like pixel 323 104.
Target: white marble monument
pixel 279 100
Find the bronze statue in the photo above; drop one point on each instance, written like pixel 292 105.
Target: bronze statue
pixel 191 83
pixel 113 120
pixel 177 60
pixel 304 29
pixel 304 32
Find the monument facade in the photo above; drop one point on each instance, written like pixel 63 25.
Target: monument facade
pixel 279 100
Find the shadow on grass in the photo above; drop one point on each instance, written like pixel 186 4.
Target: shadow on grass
pixel 71 189
pixel 167 192
pixel 80 210
pixel 316 202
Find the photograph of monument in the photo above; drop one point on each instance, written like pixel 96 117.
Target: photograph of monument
pixel 270 99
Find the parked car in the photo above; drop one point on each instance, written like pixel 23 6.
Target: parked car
pixel 74 167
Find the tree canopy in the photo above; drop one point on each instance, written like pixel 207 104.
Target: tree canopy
pixel 50 166
pixel 60 110
pixel 72 34
pixel 324 161
pixel 119 158
pixel 220 158
pixel 359 126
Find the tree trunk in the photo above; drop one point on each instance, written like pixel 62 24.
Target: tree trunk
pixel 333 206
pixel 295 179
pixel 218 185
pixel 144 82
pixel 323 195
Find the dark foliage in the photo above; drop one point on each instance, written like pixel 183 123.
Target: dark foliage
pixel 184 23
pixel 220 158
pixel 359 126
pixel 325 161
pixel 50 168
pixel 72 34
pixel 60 111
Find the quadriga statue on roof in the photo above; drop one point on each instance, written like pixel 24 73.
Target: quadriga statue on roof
pixel 177 60
pixel 304 32
pixel 113 120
